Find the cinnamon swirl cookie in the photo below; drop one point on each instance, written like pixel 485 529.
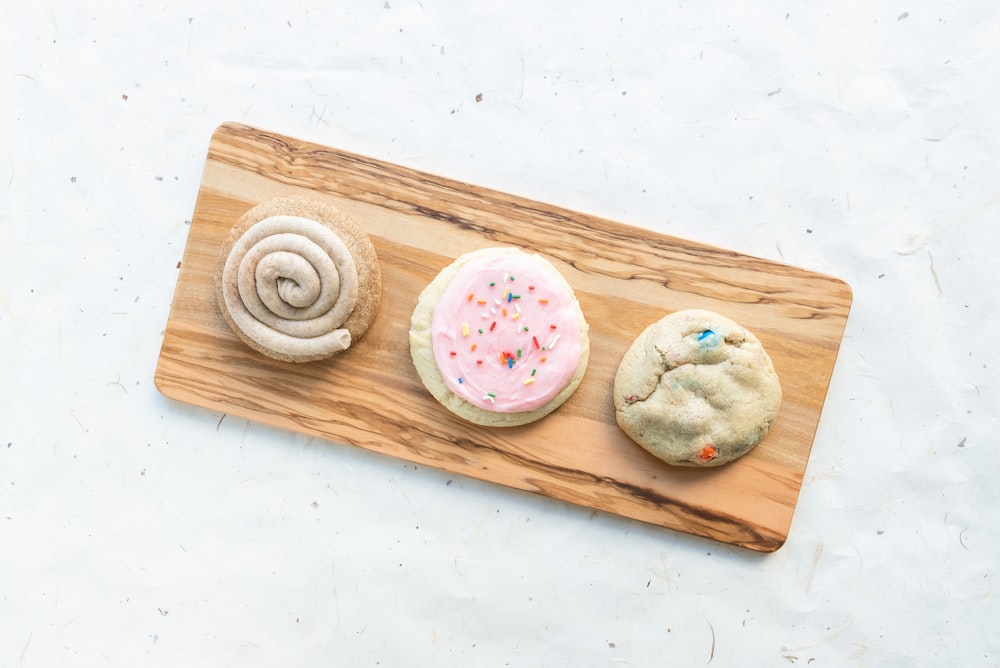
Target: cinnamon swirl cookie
pixel 696 389
pixel 297 280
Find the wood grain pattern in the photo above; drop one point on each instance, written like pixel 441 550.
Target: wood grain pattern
pixel 624 277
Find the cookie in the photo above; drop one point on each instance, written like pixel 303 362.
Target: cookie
pixel 696 389
pixel 499 338
pixel 297 280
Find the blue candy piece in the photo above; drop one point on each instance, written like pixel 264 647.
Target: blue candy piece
pixel 708 338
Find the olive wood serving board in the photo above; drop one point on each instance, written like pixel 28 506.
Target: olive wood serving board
pixel 624 277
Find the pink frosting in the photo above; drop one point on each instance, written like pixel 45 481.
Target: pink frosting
pixel 506 333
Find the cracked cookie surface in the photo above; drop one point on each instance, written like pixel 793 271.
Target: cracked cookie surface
pixel 696 389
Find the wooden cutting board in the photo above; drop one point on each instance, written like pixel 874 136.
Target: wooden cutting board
pixel 625 279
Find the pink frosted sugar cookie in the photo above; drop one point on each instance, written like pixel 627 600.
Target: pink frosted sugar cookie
pixel 499 338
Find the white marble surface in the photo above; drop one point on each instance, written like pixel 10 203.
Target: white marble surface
pixel 857 139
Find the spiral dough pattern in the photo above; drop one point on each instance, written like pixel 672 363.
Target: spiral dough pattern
pixel 290 285
pixel 295 284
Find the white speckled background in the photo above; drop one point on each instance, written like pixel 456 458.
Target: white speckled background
pixel 860 140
